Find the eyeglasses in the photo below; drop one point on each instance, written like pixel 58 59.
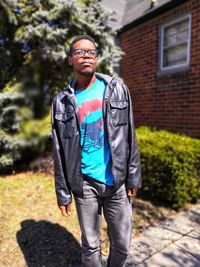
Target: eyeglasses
pixel 81 52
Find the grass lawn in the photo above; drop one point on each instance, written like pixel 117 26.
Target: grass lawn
pixel 33 232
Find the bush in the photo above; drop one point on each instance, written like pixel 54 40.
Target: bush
pixel 170 166
pixel 30 142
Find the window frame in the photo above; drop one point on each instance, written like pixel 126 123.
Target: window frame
pixel 181 66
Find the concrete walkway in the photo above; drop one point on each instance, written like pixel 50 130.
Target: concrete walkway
pixel 172 243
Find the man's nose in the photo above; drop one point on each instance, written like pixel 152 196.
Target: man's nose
pixel 87 55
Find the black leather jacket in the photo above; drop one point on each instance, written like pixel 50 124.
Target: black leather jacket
pixel 121 136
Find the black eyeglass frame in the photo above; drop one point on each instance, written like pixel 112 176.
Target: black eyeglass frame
pixel 88 51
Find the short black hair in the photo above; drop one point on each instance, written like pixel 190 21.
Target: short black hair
pixel 78 38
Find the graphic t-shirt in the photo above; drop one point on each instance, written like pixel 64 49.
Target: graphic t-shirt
pixel 96 156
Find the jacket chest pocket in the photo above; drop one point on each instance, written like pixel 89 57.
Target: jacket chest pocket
pixel 66 124
pixel 119 112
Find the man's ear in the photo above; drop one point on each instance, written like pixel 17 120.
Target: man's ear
pixel 70 62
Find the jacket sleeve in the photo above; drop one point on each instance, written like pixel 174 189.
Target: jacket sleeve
pixel 62 189
pixel 134 165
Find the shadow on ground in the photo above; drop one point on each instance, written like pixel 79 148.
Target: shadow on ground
pixel 47 244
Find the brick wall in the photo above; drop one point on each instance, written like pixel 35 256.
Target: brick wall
pixel 168 102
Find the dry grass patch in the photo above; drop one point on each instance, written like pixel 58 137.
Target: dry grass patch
pixel 33 232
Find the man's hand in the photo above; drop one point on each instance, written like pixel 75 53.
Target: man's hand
pixel 66 210
pixel 132 192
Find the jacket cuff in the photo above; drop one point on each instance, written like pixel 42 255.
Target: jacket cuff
pixel 65 201
pixel 133 184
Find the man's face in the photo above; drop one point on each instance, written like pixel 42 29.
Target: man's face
pixel 84 58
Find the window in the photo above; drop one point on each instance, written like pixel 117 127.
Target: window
pixel 175 44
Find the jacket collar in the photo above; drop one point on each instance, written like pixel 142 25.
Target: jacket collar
pixel 104 77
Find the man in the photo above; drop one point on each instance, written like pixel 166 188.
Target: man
pixel 95 154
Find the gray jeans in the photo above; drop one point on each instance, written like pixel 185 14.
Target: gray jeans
pixel 118 214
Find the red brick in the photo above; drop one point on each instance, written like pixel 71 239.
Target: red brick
pixel 173 102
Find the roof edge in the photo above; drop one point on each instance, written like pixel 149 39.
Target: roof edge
pixel 153 13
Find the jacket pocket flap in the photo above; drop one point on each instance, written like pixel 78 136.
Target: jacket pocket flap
pixel 63 116
pixel 119 104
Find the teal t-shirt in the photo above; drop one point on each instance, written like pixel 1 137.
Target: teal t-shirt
pixel 96 155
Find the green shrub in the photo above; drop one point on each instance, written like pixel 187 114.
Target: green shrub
pixel 21 137
pixel 31 141
pixel 170 166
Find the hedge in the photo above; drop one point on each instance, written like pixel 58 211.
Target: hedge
pixel 170 166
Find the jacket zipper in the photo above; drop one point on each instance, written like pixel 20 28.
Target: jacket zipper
pixel 78 123
pixel 75 108
pixel 107 98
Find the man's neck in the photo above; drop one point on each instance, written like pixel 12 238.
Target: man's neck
pixel 83 82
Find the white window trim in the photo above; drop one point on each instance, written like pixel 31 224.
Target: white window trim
pixel 161 38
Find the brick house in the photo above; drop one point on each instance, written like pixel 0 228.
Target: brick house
pixel 161 65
